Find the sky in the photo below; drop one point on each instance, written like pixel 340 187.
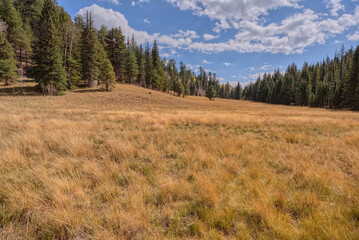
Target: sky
pixel 237 39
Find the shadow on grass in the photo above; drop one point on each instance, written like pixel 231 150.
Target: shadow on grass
pixel 89 90
pixel 20 91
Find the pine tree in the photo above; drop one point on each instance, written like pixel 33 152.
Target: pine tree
pixel 117 52
pixel 238 92
pixel 30 10
pixel 148 67
pixel 354 79
pixel 179 88
pixel 7 61
pixel 18 33
pixel 49 71
pixel 103 36
pixel 90 49
pixel 107 74
pixel 336 86
pixel 141 65
pixel 131 70
pixel 73 73
pixel 211 92
pixel 158 71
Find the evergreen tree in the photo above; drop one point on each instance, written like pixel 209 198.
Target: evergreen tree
pixel 141 65
pixel 49 71
pixel 73 73
pixel 30 10
pixel 107 74
pixel 131 67
pixel 148 67
pixel 238 92
pixel 349 90
pixel 73 54
pixel 158 71
pixel 103 36
pixel 90 50
pixel 7 61
pixel 354 80
pixel 18 36
pixel 211 92
pixel 117 52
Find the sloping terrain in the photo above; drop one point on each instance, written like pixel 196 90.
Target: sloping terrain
pixel 133 165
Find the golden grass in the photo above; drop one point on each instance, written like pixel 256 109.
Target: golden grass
pixel 134 165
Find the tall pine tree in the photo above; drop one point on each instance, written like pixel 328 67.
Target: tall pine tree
pixel 90 50
pixel 7 61
pixel 49 69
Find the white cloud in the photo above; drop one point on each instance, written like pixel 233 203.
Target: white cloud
pixel 204 61
pixel 354 36
pixel 208 37
pixel 292 35
pixel 227 64
pixel 230 12
pixel 266 66
pixel 335 5
pixel 185 34
pixel 115 2
pixel 146 21
pixel 137 2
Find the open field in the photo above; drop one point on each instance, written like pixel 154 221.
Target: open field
pixel 134 165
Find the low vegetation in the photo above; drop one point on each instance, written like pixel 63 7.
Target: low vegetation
pixel 128 164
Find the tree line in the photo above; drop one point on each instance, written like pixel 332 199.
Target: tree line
pixel 332 83
pixel 39 39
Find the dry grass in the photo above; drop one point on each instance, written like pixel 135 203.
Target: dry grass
pixel 133 165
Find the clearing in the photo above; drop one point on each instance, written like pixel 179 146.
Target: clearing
pixel 133 165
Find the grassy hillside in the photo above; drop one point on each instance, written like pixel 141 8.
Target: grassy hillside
pixel 134 165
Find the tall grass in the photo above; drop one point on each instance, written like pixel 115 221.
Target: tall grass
pixel 129 165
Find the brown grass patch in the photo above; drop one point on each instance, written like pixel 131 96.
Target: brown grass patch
pixel 133 165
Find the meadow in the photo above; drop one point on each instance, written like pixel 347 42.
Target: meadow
pixel 133 165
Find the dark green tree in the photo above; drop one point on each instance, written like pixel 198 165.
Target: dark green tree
pixel 7 61
pixel 19 34
pixel 211 92
pixel 90 50
pixel 131 70
pixel 107 75
pixel 49 70
pixel 117 52
pixel 148 67
pixel 141 65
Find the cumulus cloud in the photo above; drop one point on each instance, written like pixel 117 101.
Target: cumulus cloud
pixel 115 2
pixel 335 6
pixel 204 61
pixel 208 37
pixel 138 2
pixel 291 35
pixel 230 12
pixel 354 36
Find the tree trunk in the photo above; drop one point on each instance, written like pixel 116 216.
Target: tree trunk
pixel 92 83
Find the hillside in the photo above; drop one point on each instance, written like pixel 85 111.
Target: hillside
pixel 134 165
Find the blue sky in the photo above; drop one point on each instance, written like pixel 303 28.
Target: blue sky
pixel 236 39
